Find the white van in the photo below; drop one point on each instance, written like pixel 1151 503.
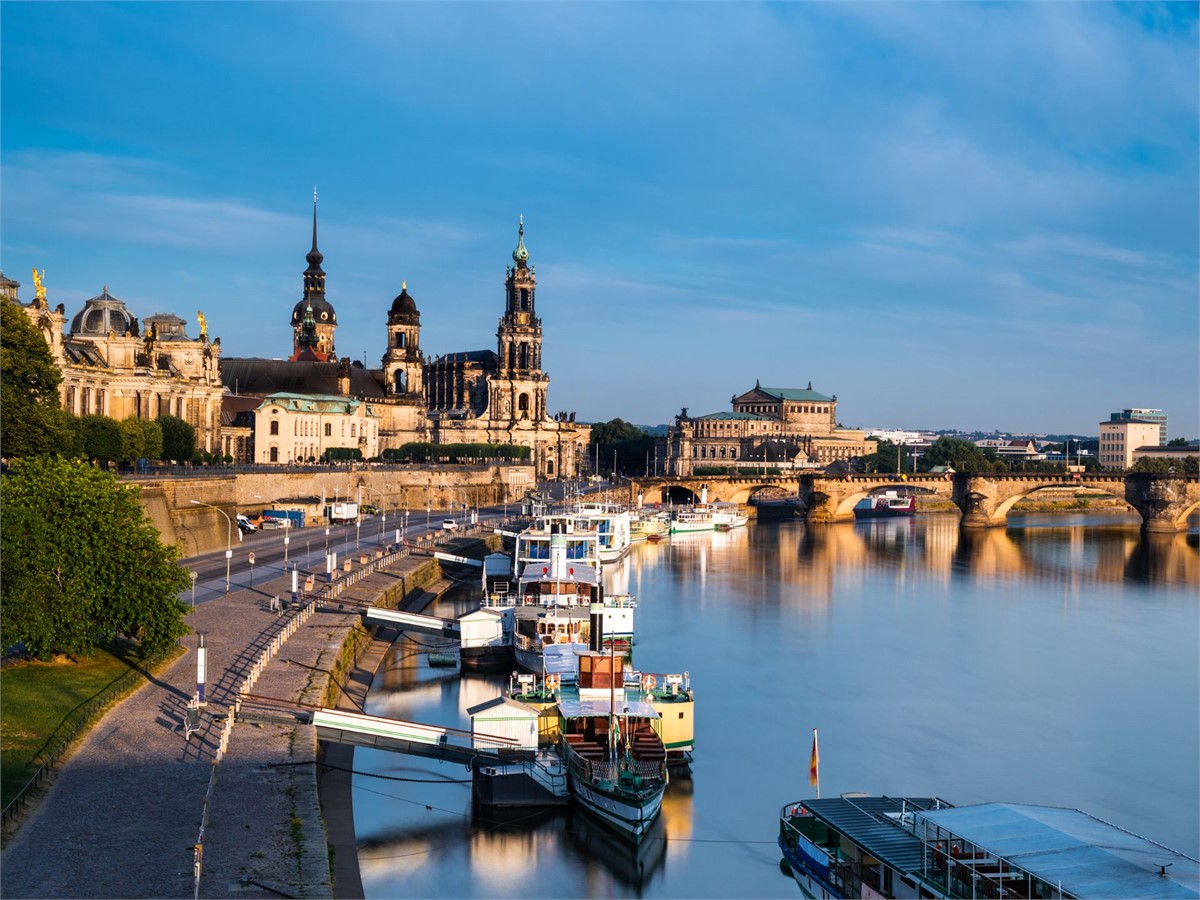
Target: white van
pixel 245 526
pixel 449 525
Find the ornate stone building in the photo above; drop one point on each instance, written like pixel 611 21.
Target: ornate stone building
pixel 775 427
pixel 113 365
pixel 480 396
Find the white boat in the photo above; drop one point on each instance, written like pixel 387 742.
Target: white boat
pixel 691 518
pixel 649 526
pixel 613 528
pixel 558 604
pixel 728 515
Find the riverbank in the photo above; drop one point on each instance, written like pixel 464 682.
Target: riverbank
pixel 138 795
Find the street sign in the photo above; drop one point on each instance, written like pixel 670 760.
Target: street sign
pixel 251 559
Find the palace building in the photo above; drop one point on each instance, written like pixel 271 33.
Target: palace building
pixel 112 365
pixel 477 396
pixel 788 428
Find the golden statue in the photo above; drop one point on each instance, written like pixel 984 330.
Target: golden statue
pixel 203 324
pixel 39 288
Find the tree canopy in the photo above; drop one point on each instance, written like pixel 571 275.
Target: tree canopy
pixel 631 446
pixel 963 455
pixel 82 563
pixel 29 383
pixel 178 438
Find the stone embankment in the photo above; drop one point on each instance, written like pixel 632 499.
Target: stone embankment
pixel 128 810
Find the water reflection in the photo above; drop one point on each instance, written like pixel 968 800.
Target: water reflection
pixel 1051 662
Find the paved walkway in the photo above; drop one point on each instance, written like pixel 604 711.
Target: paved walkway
pixel 125 811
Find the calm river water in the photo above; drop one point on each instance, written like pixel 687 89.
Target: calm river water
pixel 1054 663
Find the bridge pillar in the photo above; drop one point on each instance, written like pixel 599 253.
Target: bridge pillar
pixel 1163 501
pixel 979 499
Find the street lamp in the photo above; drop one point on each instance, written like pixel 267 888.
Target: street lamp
pixel 228 539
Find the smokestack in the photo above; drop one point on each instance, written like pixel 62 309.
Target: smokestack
pixel 596 643
pixel 558 551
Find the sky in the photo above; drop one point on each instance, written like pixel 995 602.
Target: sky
pixel 949 215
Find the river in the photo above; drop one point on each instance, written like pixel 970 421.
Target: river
pixel 1055 663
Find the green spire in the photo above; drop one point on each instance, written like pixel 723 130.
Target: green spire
pixel 521 255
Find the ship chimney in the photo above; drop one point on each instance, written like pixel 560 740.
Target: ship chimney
pixel 596 641
pixel 558 551
pixel 703 493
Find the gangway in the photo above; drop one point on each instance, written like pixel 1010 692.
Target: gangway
pixel 413 738
pixel 461 560
pixel 377 615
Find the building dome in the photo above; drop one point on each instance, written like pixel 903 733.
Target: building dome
pixel 404 304
pixel 323 312
pixel 100 315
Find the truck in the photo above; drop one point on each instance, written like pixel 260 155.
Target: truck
pixel 341 512
pixel 282 518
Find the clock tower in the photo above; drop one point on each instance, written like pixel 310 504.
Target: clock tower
pixel 520 388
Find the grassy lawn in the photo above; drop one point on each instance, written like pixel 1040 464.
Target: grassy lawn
pixel 36 698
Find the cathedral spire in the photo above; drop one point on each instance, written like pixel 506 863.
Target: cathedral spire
pixel 521 255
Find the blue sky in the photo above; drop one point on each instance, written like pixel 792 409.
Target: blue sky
pixel 947 214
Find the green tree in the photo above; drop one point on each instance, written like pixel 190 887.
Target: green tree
pixel 888 457
pixel 143 439
pixel 178 438
pixel 1177 442
pixel 962 454
pixel 82 563
pixel 29 383
pixel 1189 465
pixel 103 438
pixel 629 443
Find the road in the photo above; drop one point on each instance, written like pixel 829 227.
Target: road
pixel 305 549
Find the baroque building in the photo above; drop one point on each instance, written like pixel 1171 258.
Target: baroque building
pixel 112 365
pixel 479 396
pixel 793 428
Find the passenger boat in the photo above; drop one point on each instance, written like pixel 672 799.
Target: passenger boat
pixel 885 506
pixel 691 518
pixel 857 845
pixel 613 528
pixel 558 605
pixel 646 526
pixel 616 761
pixel 728 515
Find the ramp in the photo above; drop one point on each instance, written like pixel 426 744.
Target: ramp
pixel 460 560
pixel 376 615
pixel 428 741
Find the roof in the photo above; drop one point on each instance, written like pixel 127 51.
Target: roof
pixel 865 820
pixel 577 709
pixel 540 570
pixel 269 376
pixel 1087 856
pixel 796 394
pixel 513 706
pixel 486 357
pixel 318 403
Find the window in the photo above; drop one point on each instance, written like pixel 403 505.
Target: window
pixel 352 429
pixel 274 452
pixel 274 430
pixel 328 429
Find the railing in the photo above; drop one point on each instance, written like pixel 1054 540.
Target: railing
pixel 79 719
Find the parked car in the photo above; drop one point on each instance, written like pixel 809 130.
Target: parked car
pixel 449 525
pixel 245 526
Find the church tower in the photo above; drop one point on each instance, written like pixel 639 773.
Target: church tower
pixel 323 314
pixel 403 363
pixel 519 391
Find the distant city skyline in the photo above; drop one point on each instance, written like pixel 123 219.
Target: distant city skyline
pixel 970 216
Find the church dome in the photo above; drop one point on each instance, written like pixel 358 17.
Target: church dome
pixel 100 315
pixel 323 312
pixel 404 304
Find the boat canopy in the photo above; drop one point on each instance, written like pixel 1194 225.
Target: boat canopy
pixel 1086 856
pixel 579 709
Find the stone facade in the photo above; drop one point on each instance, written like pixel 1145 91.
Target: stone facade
pixel 113 365
pixel 292 428
pixel 777 427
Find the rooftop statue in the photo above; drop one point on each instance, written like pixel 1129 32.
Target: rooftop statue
pixel 39 288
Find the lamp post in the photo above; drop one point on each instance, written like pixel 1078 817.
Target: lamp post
pixel 193 575
pixel 228 539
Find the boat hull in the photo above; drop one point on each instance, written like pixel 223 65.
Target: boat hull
pixel 885 513
pixel 629 816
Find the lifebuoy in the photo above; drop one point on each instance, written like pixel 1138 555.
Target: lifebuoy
pixel 649 682
pixel 552 682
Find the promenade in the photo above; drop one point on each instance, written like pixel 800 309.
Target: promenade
pixel 124 814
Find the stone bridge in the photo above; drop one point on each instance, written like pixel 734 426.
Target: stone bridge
pixel 1163 501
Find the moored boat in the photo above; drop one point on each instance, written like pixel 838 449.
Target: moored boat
pixel 728 515
pixel 862 846
pixel 887 505
pixel 685 519
pixel 615 758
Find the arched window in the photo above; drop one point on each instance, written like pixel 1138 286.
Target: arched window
pixel 523 403
pixel 274 430
pixel 401 340
pixel 524 360
pixel 525 299
pixel 401 381
pixel 274 452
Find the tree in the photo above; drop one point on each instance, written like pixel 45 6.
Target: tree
pixel 143 439
pixel 1189 465
pixel 103 438
pixel 888 457
pixel 962 455
pixel 82 563
pixel 178 438
pixel 29 383
pixel 1177 442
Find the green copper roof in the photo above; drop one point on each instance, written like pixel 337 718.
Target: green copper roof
pixel 796 394
pixel 521 255
pixel 736 415
pixel 317 403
